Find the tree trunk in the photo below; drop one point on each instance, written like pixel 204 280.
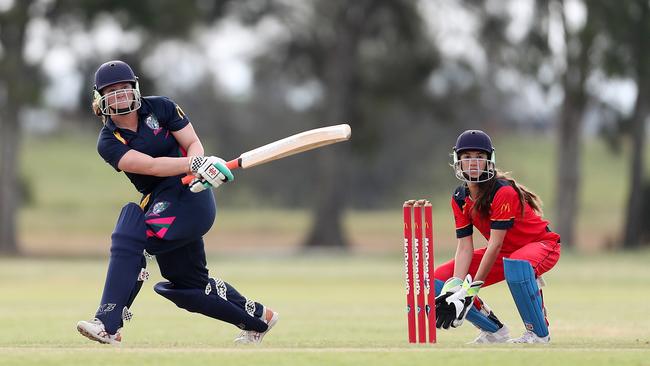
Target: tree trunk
pixel 568 170
pixel 15 84
pixel 8 181
pixel 569 154
pixel 341 80
pixel 634 213
pixel 569 158
pixel 634 216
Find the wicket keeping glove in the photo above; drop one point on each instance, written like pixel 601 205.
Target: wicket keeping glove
pixel 210 171
pixel 446 314
pixel 454 305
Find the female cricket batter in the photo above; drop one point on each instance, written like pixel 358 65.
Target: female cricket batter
pixel 153 142
pixel 521 247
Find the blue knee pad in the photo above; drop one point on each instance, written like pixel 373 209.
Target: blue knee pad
pixel 211 302
pixel 125 269
pixel 480 320
pixel 523 286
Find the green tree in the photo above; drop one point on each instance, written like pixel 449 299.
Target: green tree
pixel 579 65
pixel 571 66
pixel 19 83
pixel 626 30
pixel 365 55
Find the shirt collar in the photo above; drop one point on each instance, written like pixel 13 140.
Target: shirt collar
pixel 110 124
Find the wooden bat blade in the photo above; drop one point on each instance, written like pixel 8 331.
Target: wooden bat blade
pixel 295 144
pixel 288 146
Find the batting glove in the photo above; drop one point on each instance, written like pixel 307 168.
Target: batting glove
pixel 210 171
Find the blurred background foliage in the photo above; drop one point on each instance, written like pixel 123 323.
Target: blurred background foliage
pixel 561 85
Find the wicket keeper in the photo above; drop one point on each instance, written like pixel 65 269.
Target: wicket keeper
pixel 521 247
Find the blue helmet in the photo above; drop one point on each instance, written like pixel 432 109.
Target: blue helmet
pixel 475 140
pixel 113 72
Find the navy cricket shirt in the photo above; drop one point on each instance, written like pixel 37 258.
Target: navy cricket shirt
pixel 157 117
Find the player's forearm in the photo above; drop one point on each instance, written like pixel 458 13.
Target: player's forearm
pixel 463 258
pixel 195 149
pixel 169 167
pixel 488 260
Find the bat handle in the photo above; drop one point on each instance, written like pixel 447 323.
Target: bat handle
pixel 187 179
pixel 232 165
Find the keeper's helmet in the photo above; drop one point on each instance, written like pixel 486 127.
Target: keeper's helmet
pixel 474 140
pixel 113 72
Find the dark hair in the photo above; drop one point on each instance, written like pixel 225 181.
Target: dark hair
pixel 486 189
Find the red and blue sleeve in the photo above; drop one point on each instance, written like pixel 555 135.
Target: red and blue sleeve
pixel 464 225
pixel 505 206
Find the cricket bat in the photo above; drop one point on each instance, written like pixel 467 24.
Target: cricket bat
pixel 287 146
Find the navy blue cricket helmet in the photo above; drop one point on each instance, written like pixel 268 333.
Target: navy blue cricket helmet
pixel 475 140
pixel 113 72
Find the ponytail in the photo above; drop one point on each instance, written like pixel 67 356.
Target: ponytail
pixel 526 196
pixel 97 110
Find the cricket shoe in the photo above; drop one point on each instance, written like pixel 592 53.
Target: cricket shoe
pixel 253 337
pixel 95 331
pixel 502 335
pixel 530 337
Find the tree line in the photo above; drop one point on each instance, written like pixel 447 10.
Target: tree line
pixel 370 63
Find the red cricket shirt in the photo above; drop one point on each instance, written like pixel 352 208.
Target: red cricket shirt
pixel 505 214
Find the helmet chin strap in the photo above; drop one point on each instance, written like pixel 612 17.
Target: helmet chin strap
pixel 123 110
pixel 484 177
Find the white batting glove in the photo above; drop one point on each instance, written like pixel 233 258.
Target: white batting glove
pixel 210 172
pixel 198 185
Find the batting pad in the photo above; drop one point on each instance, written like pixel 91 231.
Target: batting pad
pixel 523 286
pixel 474 316
pixel 123 277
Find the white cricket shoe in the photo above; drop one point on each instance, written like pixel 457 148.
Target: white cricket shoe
pixel 502 335
pixel 531 337
pixel 253 337
pixel 94 330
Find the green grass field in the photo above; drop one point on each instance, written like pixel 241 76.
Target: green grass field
pixel 335 310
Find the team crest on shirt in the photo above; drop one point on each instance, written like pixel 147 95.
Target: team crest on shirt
pixel 159 207
pixel 152 122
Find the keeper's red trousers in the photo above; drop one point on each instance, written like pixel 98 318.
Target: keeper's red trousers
pixel 542 255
